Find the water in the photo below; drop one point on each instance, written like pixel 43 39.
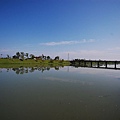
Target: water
pixel 65 93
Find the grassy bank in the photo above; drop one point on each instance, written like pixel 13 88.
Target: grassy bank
pixel 30 62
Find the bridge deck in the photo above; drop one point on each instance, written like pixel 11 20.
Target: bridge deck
pixel 96 63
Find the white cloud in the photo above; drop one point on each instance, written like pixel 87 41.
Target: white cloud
pixel 68 42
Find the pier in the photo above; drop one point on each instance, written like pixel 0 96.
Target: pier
pixel 95 63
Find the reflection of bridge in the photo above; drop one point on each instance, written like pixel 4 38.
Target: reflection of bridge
pixel 95 63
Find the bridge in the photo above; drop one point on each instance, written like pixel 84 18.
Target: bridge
pixel 95 63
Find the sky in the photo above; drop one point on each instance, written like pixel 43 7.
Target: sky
pixel 82 29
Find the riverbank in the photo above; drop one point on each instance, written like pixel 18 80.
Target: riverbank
pixel 31 62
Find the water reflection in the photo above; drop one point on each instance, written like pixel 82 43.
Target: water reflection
pixel 68 94
pixel 23 70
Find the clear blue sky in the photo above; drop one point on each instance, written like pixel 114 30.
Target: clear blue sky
pixel 87 29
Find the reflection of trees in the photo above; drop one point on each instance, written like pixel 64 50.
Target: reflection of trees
pixel 8 69
pixel 48 68
pixel 56 67
pixel 26 71
pixel 20 70
pixel 23 70
pixel 32 69
pixel 16 70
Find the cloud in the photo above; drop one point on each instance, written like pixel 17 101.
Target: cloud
pixel 114 49
pixel 68 42
pixel 90 54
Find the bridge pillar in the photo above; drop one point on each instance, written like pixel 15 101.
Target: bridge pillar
pixel 91 63
pixel 84 63
pixel 98 64
pixel 106 64
pixel 115 64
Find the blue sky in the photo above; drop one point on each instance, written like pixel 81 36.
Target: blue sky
pixel 87 29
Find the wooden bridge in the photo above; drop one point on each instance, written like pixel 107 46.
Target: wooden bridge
pixel 95 63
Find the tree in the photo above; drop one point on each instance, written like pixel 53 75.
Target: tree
pixel 8 56
pixel 48 57
pixel 22 55
pixel 17 54
pixel 43 57
pixel 32 56
pixel 56 58
pixel 14 57
pixel 26 55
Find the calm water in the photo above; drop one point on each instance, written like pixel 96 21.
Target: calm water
pixel 66 93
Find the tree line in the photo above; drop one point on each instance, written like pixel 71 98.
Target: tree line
pixel 22 55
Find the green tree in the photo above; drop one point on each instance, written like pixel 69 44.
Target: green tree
pixel 45 57
pixel 26 55
pixel 17 54
pixel 22 55
pixel 8 56
pixel 42 56
pixel 48 57
pixel 32 56
pixel 56 58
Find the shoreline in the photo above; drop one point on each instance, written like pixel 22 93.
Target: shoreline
pixel 7 63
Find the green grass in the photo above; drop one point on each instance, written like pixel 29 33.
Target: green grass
pixel 30 62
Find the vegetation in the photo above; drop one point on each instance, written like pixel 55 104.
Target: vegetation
pixel 25 69
pixel 4 62
pixel 30 60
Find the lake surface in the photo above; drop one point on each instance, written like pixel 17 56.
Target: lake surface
pixel 65 93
